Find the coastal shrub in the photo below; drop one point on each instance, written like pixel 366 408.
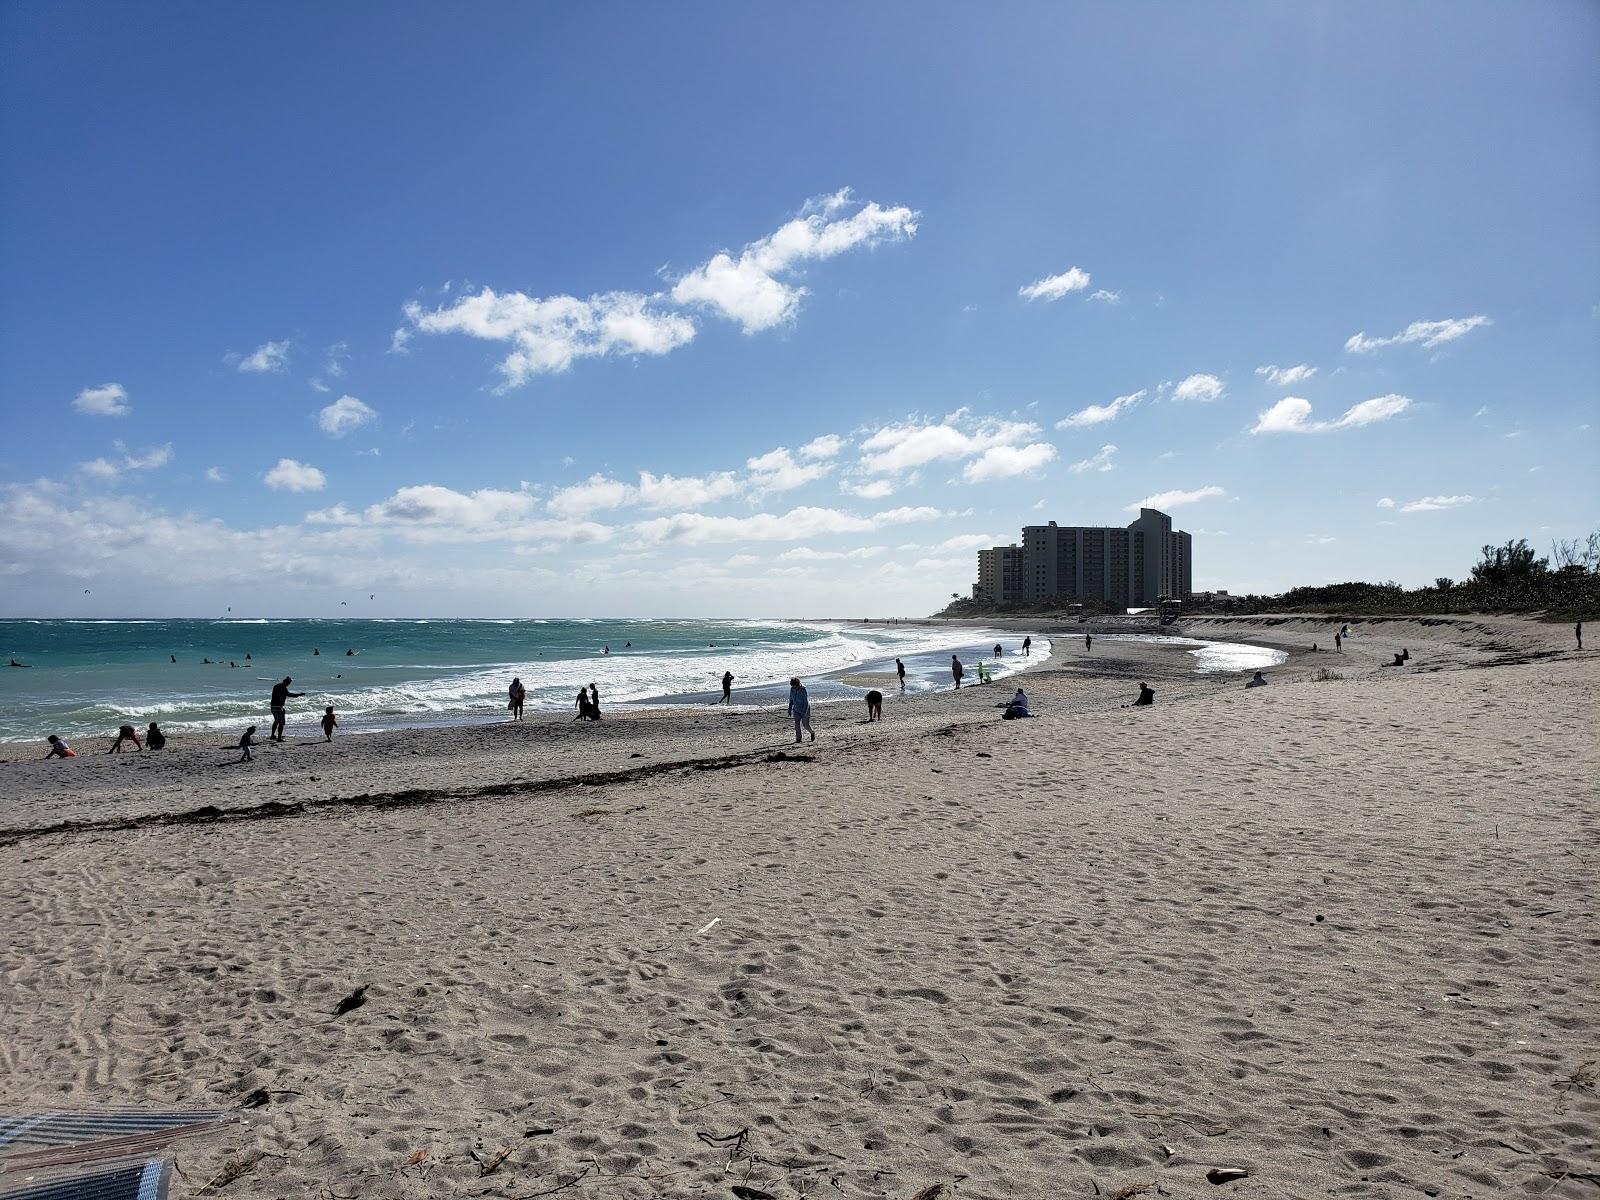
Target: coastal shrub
pixel 1324 675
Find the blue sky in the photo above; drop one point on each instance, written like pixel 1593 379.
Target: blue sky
pixel 305 303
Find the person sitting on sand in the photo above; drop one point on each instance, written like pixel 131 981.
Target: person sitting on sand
pixel 125 733
pixel 245 741
pixel 874 706
pixel 59 749
pixel 1017 708
pixel 1257 680
pixel 517 694
pixel 1401 658
pixel 956 671
pixel 154 739
pixel 1147 696
pixel 800 709
pixel 329 723
pixel 727 688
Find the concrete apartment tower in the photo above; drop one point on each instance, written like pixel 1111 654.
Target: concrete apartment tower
pixel 1134 566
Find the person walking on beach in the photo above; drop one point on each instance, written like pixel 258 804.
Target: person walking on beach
pixel 800 710
pixel 125 733
pixel 1027 646
pixel 594 702
pixel 245 742
pixel 727 688
pixel 154 739
pixel 956 671
pixel 583 705
pixel 874 706
pixel 517 694
pixel 59 749
pixel 1088 643
pixel 280 697
pixel 1577 631
pixel 1338 643
pixel 900 670
pixel 329 723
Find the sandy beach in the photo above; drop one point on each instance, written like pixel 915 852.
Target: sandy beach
pixel 1337 933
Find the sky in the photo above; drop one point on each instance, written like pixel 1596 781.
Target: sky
pixel 780 310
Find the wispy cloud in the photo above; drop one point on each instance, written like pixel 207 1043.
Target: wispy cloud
pixel 1286 376
pixel 1007 462
pixel 1053 287
pixel 1101 460
pixel 1293 415
pixel 1177 499
pixel 1099 414
pixel 796 525
pixel 269 358
pixel 1386 502
pixel 1105 296
pixel 1426 333
pixel 1436 503
pixel 107 400
pixel 913 443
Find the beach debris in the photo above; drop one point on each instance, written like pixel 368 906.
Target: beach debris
pixel 706 928
pixel 493 1165
pixel 1221 1175
pixel 536 1132
pixel 234 1168
pixel 785 756
pixel 351 1002
pixel 1128 1191
pixel 750 1193
pixel 416 1158
pixel 1581 1080
pixel 256 1099
pixel 34 1141
pixel 932 1192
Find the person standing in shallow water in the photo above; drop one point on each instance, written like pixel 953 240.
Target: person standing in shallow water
pixel 516 694
pixel 900 670
pixel 727 688
pixel 800 710
pixel 956 671
pixel 280 697
pixel 1027 646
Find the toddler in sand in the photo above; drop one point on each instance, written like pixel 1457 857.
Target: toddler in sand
pixel 244 743
pixel 59 749
pixel 329 721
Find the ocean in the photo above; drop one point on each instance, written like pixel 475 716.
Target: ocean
pixel 86 677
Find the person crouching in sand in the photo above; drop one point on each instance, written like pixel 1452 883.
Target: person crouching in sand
pixel 154 739
pixel 245 741
pixel 59 749
pixel 126 733
pixel 874 706
pixel 329 723
pixel 1147 696
pixel 800 710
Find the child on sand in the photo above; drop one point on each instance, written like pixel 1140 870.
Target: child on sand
pixel 59 749
pixel 244 743
pixel 125 733
pixel 154 738
pixel 329 722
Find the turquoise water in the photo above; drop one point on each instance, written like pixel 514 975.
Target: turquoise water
pixel 87 677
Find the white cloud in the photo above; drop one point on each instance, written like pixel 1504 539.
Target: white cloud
pixel 1428 333
pixel 267 358
pixel 1177 499
pixel 1099 414
pixel 1286 376
pixel 826 446
pixel 550 333
pixel 338 355
pixel 344 415
pixel 1320 539
pixel 1006 462
pixel 1053 287
pixel 686 491
pixel 797 525
pixel 1386 502
pixel 1106 296
pixel 807 554
pixel 215 475
pixel 1435 503
pixel 430 513
pixel 100 468
pixel 973 541
pixel 1293 415
pixel 400 341
pixel 1204 388
pixel 777 471
pixel 747 289
pixel 292 476
pixel 595 494
pixel 1099 461
pixel 150 460
pixel 107 400
pixel 910 444
pixel 875 489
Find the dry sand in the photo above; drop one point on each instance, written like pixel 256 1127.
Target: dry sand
pixel 1339 934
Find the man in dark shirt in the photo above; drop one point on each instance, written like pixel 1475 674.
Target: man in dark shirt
pixel 280 697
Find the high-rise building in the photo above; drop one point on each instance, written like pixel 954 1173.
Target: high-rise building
pixel 1139 565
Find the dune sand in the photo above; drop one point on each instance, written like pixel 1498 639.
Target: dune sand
pixel 1340 935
